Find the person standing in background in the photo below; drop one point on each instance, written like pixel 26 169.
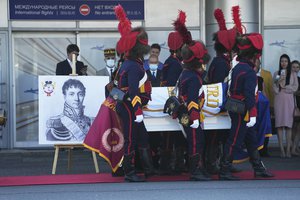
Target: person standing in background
pixel 110 63
pixel 172 66
pixel 65 67
pixel 285 85
pixel 266 90
pixel 296 126
pixel 154 73
pixel 154 50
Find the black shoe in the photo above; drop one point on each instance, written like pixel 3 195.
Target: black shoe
pixel 132 177
pixel 234 169
pixel 263 174
pixel 213 170
pixel 198 172
pixel 118 173
pixel 228 177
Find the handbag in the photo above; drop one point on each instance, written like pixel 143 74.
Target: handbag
pixel 176 109
pixel 235 105
pixel 117 94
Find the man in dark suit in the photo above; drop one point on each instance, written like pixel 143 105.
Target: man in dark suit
pixel 65 67
pixel 154 72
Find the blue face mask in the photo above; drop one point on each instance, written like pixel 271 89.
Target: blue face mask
pixel 153 67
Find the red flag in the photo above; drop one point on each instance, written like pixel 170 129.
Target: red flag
pixel 105 136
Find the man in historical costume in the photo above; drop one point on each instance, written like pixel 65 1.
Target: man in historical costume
pixel 242 87
pixel 191 94
pixel 132 80
pixel 72 124
pixel 173 162
pixel 218 70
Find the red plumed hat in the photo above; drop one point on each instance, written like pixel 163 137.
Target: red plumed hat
pixel 198 49
pixel 236 19
pixel 256 41
pixel 174 41
pixel 128 38
pixel 224 36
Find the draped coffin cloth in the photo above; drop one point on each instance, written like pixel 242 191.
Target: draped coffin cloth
pixel 263 126
pixel 156 120
pixel 214 99
pixel 105 136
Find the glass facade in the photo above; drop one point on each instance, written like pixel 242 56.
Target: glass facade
pixel 34 55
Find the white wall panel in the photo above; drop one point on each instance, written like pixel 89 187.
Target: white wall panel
pixel 161 13
pixel 278 12
pixel 104 24
pixel 3 13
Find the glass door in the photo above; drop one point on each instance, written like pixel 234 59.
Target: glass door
pixel 4 136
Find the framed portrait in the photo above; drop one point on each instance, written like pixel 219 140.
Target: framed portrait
pixel 68 106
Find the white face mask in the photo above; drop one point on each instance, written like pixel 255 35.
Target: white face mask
pixel 153 67
pixel 110 63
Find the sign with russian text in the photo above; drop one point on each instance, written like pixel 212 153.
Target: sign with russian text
pixel 73 9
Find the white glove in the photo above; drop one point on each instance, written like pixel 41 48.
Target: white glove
pixel 139 118
pixel 195 124
pixel 251 122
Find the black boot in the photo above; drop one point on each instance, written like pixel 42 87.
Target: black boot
pixel 225 170
pixel 212 153
pixel 179 161
pixel 165 162
pixel 147 162
pixel 234 169
pixel 197 169
pixel 128 166
pixel 258 166
pixel 118 173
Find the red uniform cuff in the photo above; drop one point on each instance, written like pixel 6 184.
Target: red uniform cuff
pixel 194 115
pixel 253 112
pixel 139 111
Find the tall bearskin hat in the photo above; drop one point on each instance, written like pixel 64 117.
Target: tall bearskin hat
pixel 192 50
pixel 225 39
pixel 129 37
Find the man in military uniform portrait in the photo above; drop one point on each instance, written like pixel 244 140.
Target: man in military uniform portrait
pixel 71 124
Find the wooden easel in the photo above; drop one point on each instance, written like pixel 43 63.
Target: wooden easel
pixel 70 147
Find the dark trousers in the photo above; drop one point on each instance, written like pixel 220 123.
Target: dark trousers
pixel 135 134
pixel 195 140
pixel 240 133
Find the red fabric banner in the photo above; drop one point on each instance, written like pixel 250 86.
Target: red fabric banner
pixel 105 136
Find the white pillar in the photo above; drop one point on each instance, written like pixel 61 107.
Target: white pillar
pixel 249 11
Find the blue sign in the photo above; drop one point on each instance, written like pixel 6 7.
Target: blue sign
pixel 73 9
